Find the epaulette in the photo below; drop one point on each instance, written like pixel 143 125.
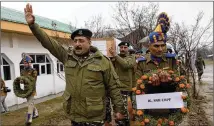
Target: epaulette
pixel 33 68
pixel 169 55
pixel 141 59
pixel 106 57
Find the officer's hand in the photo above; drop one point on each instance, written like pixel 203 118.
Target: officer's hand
pixel 164 76
pixel 112 52
pixel 119 116
pixel 155 80
pixel 29 14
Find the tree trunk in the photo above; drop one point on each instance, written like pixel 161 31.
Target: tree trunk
pixel 193 81
pixel 187 67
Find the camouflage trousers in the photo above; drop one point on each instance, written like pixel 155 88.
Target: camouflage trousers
pixel 101 123
pixel 126 120
pixel 200 72
pixel 108 110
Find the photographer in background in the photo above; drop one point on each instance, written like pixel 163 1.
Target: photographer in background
pixel 3 95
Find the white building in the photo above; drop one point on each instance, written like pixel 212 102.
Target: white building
pixel 16 38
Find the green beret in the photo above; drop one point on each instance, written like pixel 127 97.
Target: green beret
pixel 81 32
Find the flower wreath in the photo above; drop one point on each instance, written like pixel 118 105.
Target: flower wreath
pixel 28 81
pixel 179 82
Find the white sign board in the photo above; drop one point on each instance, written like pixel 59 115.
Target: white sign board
pixel 159 101
pixel 101 45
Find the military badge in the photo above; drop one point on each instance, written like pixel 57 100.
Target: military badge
pixel 80 32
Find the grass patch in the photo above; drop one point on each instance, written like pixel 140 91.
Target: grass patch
pixel 47 110
pixel 197 115
pixel 203 83
pixel 208 61
pixel 51 118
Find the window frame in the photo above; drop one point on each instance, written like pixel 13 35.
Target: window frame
pixel 9 63
pixel 59 67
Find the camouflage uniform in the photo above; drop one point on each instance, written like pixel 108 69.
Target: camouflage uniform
pixel 32 110
pixel 88 79
pixel 199 63
pixel 125 68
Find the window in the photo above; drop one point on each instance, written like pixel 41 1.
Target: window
pixel 41 63
pixel 60 67
pixel 5 69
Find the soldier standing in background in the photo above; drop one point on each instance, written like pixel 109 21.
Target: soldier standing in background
pixel 131 51
pixel 29 71
pixel 200 65
pixel 124 64
pixel 138 54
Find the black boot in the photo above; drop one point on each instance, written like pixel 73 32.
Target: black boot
pixel 28 124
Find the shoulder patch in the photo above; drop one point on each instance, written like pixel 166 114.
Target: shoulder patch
pixel 141 59
pixel 169 55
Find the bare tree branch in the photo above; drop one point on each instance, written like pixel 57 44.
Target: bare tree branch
pixel 187 40
pixel 96 25
pixel 134 22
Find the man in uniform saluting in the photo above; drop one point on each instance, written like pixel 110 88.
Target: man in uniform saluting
pixel 89 76
pixel 124 64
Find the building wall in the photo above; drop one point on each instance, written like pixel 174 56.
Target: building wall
pixel 12 46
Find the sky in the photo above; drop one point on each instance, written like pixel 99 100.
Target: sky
pixel 79 12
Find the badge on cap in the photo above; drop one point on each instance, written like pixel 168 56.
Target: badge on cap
pixel 80 32
pixel 126 44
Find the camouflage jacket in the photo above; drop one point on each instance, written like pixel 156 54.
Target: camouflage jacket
pixel 33 73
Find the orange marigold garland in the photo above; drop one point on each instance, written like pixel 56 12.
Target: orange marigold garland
pixel 181 86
